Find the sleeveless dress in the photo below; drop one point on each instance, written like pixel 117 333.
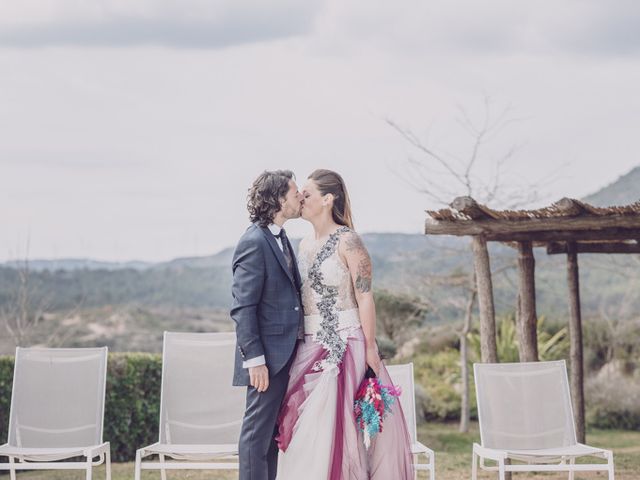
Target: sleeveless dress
pixel 317 433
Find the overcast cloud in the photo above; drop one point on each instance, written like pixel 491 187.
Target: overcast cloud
pixel 117 23
pixel 132 130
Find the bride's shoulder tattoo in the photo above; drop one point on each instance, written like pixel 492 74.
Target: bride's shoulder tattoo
pixel 355 246
pixel 353 241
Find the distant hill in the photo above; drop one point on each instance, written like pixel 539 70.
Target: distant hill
pixel 71 264
pixel 408 263
pixel 198 282
pixel 222 258
pixel 623 191
pixel 379 244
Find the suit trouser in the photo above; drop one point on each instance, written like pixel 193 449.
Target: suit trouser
pixel 258 451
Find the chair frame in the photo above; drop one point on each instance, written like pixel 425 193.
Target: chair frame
pixel 537 463
pixel 162 464
pixel 417 448
pixel 27 459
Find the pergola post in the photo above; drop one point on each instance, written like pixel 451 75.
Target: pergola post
pixel 576 361
pixel 527 316
pixel 488 349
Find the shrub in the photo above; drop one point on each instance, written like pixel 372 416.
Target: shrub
pixel 438 376
pixel 553 342
pixel 132 405
pixel 6 380
pixel 612 398
pixel 437 339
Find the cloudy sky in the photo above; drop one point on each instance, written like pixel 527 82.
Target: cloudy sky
pixel 132 129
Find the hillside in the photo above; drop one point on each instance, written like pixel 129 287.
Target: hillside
pixel 413 264
pixel 623 191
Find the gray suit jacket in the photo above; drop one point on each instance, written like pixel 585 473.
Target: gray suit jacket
pixel 267 307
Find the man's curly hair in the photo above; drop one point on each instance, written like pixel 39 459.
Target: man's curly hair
pixel 265 194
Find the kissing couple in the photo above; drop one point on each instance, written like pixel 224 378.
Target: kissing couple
pixel 305 327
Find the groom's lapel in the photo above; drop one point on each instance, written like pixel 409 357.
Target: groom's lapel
pixel 271 240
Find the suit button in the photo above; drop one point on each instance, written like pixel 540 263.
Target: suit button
pixel 296 308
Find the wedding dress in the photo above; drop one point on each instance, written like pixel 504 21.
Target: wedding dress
pixel 317 434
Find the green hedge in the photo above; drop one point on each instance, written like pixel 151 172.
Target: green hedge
pixel 132 404
pixel 132 401
pixel 6 379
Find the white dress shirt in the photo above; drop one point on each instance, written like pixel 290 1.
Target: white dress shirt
pixel 257 361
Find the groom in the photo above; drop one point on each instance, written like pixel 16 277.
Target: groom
pixel 267 311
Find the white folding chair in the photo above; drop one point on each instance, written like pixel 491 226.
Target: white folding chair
pixel 402 376
pixel 200 411
pixel 525 415
pixel 57 410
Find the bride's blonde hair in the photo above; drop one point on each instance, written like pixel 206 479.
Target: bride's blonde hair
pixel 331 182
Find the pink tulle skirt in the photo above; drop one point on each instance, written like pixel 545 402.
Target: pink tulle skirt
pixel 317 432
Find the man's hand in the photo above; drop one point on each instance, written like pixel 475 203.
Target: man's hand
pixel 259 377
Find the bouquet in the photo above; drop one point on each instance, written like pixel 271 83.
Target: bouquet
pixel 373 402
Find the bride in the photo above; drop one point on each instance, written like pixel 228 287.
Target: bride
pixel 317 435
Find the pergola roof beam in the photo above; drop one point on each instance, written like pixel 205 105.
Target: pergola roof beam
pixel 587 247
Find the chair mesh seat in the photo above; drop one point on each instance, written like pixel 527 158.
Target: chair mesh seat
pixel 554 454
pixel 192 452
pixel 44 454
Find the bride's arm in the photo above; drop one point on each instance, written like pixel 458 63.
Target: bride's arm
pixel 357 258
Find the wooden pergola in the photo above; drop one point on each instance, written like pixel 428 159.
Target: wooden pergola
pixel 566 227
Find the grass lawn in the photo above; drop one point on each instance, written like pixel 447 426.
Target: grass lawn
pixel 453 453
pixel 453 459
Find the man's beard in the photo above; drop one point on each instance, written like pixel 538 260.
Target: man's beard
pixel 294 214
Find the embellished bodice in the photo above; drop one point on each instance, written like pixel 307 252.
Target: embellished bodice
pixel 319 262
pixel 328 299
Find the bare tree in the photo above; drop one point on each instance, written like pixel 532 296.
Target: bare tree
pixel 26 309
pixel 24 312
pixel 479 173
